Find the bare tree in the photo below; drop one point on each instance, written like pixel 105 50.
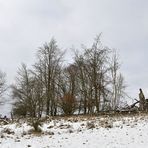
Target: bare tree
pixel 96 58
pixel 49 66
pixel 84 87
pixel 27 92
pixel 20 91
pixel 117 81
pixel 2 83
pixel 67 89
pixel 121 88
pixel 92 76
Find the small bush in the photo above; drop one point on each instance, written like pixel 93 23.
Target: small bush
pixel 35 124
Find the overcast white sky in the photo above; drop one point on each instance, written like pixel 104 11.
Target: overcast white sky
pixel 27 24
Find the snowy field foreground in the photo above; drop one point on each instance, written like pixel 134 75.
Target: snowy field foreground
pixel 79 132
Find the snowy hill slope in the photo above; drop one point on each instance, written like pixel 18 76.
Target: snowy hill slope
pixel 79 132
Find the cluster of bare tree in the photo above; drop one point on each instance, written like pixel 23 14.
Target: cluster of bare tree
pixel 92 83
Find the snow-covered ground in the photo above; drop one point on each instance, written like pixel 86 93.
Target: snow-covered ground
pixel 79 132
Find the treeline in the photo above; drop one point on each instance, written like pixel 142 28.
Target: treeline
pixel 92 83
